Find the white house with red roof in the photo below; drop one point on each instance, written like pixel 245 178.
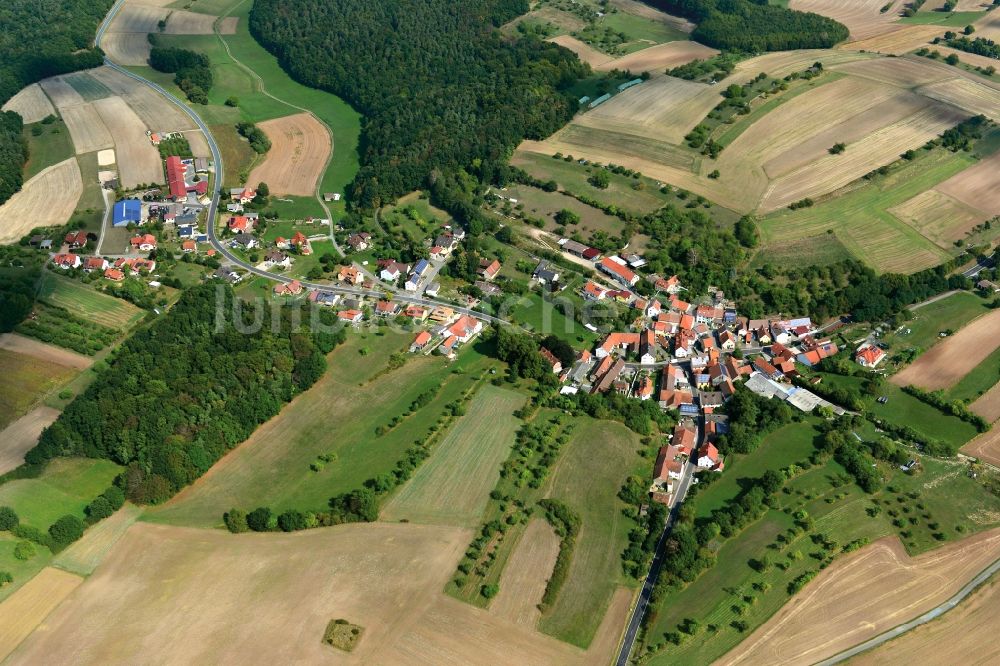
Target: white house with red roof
pixel 869 356
pixel 143 242
pixel 709 458
pixel 463 329
pixel 617 268
pixel 67 260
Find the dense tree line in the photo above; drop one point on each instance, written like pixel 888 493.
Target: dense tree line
pixel 192 71
pixel 13 154
pixel 754 25
pixel 255 135
pixel 980 45
pixel 566 524
pixel 182 392
pixel 438 86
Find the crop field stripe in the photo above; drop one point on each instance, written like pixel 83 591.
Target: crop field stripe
pixel 452 487
pixel 89 303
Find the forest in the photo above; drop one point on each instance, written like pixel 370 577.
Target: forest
pixel 754 25
pixel 40 38
pixel 192 71
pixel 170 422
pixel 438 86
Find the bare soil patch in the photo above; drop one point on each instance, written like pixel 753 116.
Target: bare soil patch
pixel 583 51
pixel 657 59
pixel 862 17
pixel 526 574
pixel 862 595
pixel 976 186
pixel 988 405
pixel 48 199
pixel 138 160
pixel 85 126
pixel 40 350
pixel 20 436
pixel 974 621
pixel 30 103
pixel 300 148
pixel 160 582
pixel 22 612
pixel 950 360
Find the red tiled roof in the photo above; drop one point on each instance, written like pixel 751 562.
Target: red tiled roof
pixel 175 177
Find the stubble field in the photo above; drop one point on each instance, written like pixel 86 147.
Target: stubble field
pixel 948 361
pixel 30 103
pixel 300 149
pixel 47 199
pixel 860 596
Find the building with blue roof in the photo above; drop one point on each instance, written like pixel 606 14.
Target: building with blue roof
pixel 420 267
pixel 125 211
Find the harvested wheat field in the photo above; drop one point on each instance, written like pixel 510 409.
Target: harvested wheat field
pixel 85 126
pixel 300 148
pixel 953 358
pixel 585 52
pixel 30 103
pixel 987 445
pixel 862 17
pixel 20 436
pixel 154 110
pixel 526 574
pixel 902 72
pixel 138 160
pixel 159 583
pixel 665 108
pixel 862 595
pixel 22 612
pixel 897 42
pixel 988 26
pixel 657 59
pixel 937 643
pixel 977 186
pixel 783 63
pixel 46 200
pixel 127 48
pixel 83 556
pixel 988 404
pixel 61 93
pixel 20 344
pixel 964 93
pixel 143 18
pixel 938 217
pixel 973 59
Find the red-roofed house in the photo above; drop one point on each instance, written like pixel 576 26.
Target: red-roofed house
pixel 95 264
pixel 67 260
pixel 488 270
pixel 551 359
pixel 386 308
pixel 302 244
pixel 76 239
pixel 594 292
pixel 113 274
pixel 465 328
pixel 645 389
pixel 359 241
pixel 683 440
pixel 618 271
pixel 189 246
pixel 143 242
pixel 869 356
pixel 615 340
pixel 419 342
pixel 350 316
pixel 350 275
pixel 708 458
pixel 175 178
pixel 290 289
pixel 668 465
pixel 240 224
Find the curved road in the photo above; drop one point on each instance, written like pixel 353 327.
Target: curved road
pixel 221 247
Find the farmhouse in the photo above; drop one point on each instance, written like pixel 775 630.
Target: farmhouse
pixel 616 269
pixel 579 249
pixel 551 359
pixel 66 261
pixel 609 377
pixel 175 178
pixel 614 341
pixel 125 212
pixel 869 356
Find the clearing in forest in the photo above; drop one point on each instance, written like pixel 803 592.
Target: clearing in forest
pixel 452 486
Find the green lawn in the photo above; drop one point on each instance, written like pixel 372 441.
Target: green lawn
pixel 291 207
pixel 339 416
pixel 540 316
pixel 949 19
pixel 65 487
pixel 90 207
pixel 978 381
pixel 21 570
pixel 453 485
pixel 929 321
pixel 789 444
pixel 860 219
pixel 53 146
pixel 592 468
pixel 642 32
pixel 89 303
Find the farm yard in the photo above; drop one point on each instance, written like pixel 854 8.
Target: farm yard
pixel 300 150
pixel 359 392
pixel 47 199
pixel 862 595
pixel 452 486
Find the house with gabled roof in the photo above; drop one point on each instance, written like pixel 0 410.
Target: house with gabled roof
pixel 488 270
pixel 91 264
pixel 292 288
pixel 67 260
pixel 419 342
pixel 618 270
pixel 869 356
pixel 350 275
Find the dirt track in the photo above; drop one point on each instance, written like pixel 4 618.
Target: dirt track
pixel 950 360
pixel 300 148
pixel 862 595
pixel 21 435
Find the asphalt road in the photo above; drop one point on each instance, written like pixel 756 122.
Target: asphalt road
pixel 635 620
